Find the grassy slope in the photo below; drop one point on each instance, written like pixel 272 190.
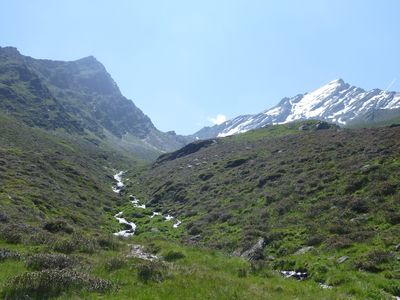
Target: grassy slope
pixel 334 190
pixel 201 274
pixel 48 176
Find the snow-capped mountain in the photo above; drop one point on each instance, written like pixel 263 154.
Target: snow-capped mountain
pixel 336 102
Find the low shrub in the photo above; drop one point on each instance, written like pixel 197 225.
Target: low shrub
pixel 115 263
pixel 151 272
pixel 64 246
pixel 153 248
pixel 393 287
pixel 283 264
pixel 40 238
pixel 393 217
pixel 338 242
pixel 4 218
pixel 58 226
pixel 242 273
pixel 10 235
pixel 372 261
pixel 84 244
pixel 173 255
pixel 77 243
pixel 8 254
pixel 359 205
pixel 315 240
pixel 49 261
pixel 50 283
pixel 108 242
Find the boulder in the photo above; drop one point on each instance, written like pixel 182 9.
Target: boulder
pixel 256 251
pixel 139 251
pixel 342 259
pixel 304 250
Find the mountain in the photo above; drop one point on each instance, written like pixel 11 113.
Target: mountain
pixel 79 97
pixel 336 102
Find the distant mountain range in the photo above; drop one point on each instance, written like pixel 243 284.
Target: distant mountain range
pixel 79 97
pixel 337 102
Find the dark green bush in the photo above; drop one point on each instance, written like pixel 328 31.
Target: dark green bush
pixel 10 235
pixel 4 218
pixel 48 261
pixel 283 264
pixel 108 242
pixel 50 283
pixel 84 244
pixel 315 240
pixel 40 238
pixel 359 205
pixel 393 217
pixel 151 272
pixel 76 243
pixel 384 188
pixel 64 246
pixel 153 248
pixel 372 261
pixel 58 226
pixel 340 228
pixel 355 183
pixel 173 255
pixel 393 288
pixel 338 242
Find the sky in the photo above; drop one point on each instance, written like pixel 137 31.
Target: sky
pixel 189 64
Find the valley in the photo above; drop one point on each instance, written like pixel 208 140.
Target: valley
pixel 97 203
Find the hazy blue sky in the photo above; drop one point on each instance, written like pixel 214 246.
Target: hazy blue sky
pixel 185 62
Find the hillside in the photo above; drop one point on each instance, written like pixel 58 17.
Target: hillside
pixel 54 177
pixel 311 192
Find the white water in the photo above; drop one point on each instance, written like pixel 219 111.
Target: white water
pixel 177 224
pixel 294 274
pixel 168 217
pixel 155 214
pixel 117 188
pixel 120 184
pixel 127 232
pixel 135 202
pixel 131 226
